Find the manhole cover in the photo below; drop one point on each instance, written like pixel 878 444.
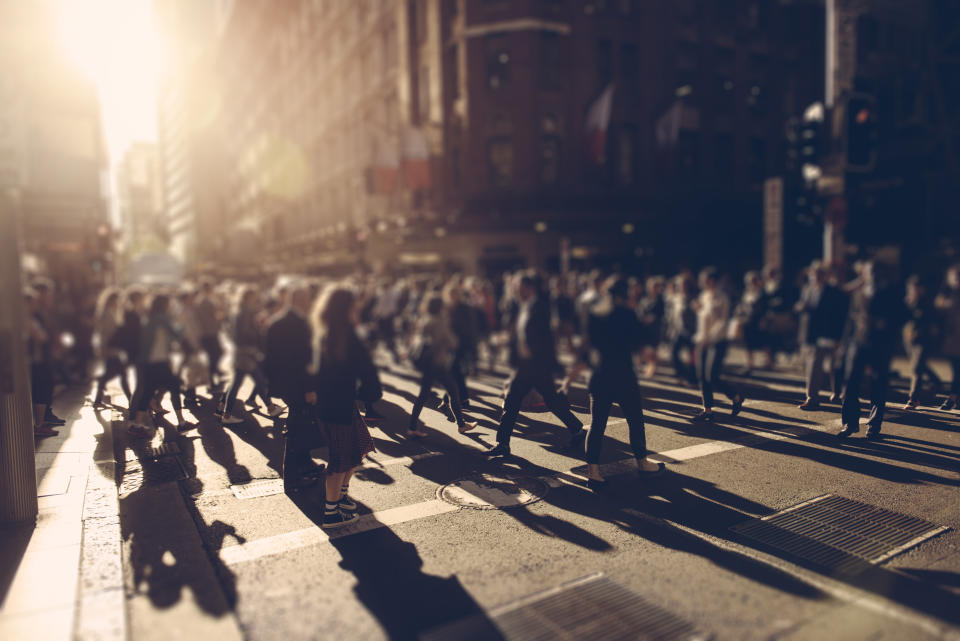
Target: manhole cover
pixel 489 492
pixel 839 534
pixel 258 489
pixel 593 608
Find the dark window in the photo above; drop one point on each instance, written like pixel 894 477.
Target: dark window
pixel 419 10
pixel 688 155
pixel 500 162
pixel 757 163
pixel 628 64
pixel 551 62
pixel 757 100
pixel 453 62
pixel 423 95
pixel 549 160
pixel 604 61
pixel 626 155
pixel 498 62
pixel 868 37
pixel 724 158
pixel 726 90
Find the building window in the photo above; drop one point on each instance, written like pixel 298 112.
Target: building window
pixel 604 61
pixel 723 158
pixel 626 155
pixel 423 95
pixel 757 164
pixel 498 62
pixel 453 61
pixel 628 64
pixel 549 160
pixel 418 11
pixel 500 162
pixel 688 155
pixel 551 62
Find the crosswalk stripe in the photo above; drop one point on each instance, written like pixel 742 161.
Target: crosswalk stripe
pixel 277 544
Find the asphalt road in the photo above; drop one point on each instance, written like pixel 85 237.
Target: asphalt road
pixel 414 562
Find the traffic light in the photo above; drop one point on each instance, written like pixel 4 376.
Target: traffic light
pixel 861 133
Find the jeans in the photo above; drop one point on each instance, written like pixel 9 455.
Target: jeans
pixel 858 357
pixel 813 360
pixel 627 396
pixel 710 372
pixel 153 378
pixel 920 368
pixel 211 345
pixel 445 378
pixel 529 377
pixel 259 381
pixel 682 368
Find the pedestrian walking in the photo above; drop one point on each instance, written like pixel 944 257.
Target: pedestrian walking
pixel 108 320
pixel 288 354
pixel 463 323
pixel 822 310
pixel 247 355
pixel 614 334
pixel 154 375
pixel 651 310
pixel 343 373
pixel 750 318
pixel 432 353
pixel 681 326
pixel 877 313
pixel 207 315
pixel 920 334
pixel 536 364
pixel 41 366
pixel 948 305
pixel 713 315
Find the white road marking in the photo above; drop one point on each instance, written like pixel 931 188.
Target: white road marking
pixel 281 543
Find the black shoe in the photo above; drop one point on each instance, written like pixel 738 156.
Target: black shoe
pixel 847 431
pixel 703 417
pixel 737 405
pixel 835 398
pixel 576 441
pixel 874 435
pixel 597 486
pixel 499 450
pixel 337 518
pixel 948 404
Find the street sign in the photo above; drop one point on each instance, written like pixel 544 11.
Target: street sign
pixel 773 222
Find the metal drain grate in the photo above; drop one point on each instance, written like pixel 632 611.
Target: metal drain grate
pixel 258 489
pixel 593 608
pixel 839 534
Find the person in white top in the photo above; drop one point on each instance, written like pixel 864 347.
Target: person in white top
pixel 710 339
pixel 108 320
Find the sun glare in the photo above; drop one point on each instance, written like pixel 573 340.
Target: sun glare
pixel 116 45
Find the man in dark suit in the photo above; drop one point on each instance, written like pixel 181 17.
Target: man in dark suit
pixel 877 315
pixel 536 364
pixel 823 312
pixel 288 354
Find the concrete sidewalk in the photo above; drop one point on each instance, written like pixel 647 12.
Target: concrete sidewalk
pixel 61 578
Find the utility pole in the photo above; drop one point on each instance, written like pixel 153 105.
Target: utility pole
pixel 18 475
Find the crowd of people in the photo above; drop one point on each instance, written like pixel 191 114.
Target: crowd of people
pixel 311 344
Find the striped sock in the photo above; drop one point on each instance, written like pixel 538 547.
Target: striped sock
pixel 330 507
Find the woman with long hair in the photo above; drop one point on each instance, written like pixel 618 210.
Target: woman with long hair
pixel 247 354
pixel 434 346
pixel 343 373
pixel 155 374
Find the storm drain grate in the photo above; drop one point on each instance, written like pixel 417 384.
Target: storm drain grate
pixel 258 489
pixel 164 470
pixel 839 534
pixel 593 608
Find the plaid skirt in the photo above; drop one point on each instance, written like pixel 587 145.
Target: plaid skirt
pixel 348 444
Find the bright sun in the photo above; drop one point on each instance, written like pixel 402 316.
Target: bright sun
pixel 116 44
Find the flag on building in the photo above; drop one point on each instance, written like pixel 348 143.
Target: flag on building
pixel 667 129
pixel 386 169
pixel 416 160
pixel 598 120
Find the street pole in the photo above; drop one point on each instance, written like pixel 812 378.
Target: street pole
pixel 18 475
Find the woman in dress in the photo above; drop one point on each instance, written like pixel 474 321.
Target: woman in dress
pixel 343 373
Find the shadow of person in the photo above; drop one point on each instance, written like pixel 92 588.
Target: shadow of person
pixel 391 583
pixel 165 553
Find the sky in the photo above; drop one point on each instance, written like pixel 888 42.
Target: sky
pixel 116 44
